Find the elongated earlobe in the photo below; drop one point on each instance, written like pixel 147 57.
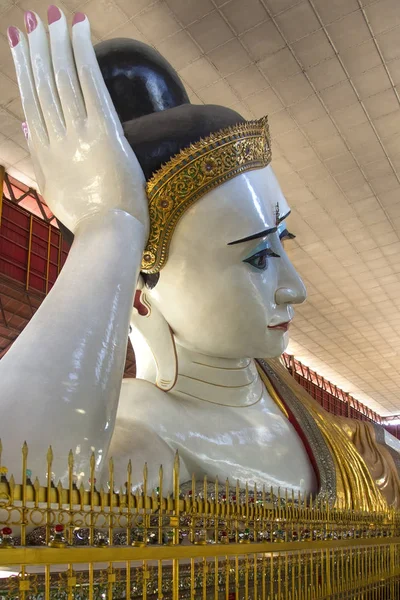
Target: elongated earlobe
pixel 152 339
pixel 141 308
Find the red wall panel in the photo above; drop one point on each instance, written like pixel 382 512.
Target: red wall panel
pixel 30 251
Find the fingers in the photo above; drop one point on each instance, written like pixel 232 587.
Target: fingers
pixel 66 78
pixel 42 69
pixel 27 88
pixel 97 99
pixel 67 86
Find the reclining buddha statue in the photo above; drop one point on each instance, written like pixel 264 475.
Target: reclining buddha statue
pixel 179 227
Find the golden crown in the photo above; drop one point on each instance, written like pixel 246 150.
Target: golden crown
pixel 195 171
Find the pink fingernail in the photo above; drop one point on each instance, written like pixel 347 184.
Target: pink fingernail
pixel 53 14
pixel 78 18
pixel 25 129
pixel 30 21
pixel 13 36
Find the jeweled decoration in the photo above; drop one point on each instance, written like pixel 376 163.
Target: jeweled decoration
pixel 195 171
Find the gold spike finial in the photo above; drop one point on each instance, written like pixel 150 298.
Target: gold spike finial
pixel 25 449
pixel 50 456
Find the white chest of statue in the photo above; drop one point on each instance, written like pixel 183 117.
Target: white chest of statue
pixel 254 442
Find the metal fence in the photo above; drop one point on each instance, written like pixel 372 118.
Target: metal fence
pixel 201 541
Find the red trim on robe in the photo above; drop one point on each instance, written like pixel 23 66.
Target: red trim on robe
pixel 298 429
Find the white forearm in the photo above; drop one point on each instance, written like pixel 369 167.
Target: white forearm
pixel 60 381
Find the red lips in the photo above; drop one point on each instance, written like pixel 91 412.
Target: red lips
pixel 281 326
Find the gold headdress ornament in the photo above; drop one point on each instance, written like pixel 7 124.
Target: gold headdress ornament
pixel 195 171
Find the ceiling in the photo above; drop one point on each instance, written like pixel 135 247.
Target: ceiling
pixel 328 74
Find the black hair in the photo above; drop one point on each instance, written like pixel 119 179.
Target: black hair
pixel 154 108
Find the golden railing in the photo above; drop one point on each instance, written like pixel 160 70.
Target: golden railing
pixel 201 541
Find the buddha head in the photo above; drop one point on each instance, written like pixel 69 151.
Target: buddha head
pixel 215 275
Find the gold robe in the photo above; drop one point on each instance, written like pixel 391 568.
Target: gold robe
pixel 354 469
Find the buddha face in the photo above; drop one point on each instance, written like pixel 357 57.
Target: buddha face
pixel 228 287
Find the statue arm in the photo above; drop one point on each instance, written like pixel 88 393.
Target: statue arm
pixel 61 380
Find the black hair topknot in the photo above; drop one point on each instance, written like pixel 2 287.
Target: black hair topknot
pixel 152 103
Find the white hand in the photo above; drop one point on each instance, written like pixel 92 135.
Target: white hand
pixel 83 162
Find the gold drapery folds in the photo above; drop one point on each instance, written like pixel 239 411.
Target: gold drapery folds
pixel 365 475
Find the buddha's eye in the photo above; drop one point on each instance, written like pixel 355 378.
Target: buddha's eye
pixel 259 260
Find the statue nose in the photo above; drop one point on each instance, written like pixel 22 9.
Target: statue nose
pixel 286 295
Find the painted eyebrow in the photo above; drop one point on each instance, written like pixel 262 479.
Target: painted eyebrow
pixel 261 234
pixel 255 236
pixel 284 217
